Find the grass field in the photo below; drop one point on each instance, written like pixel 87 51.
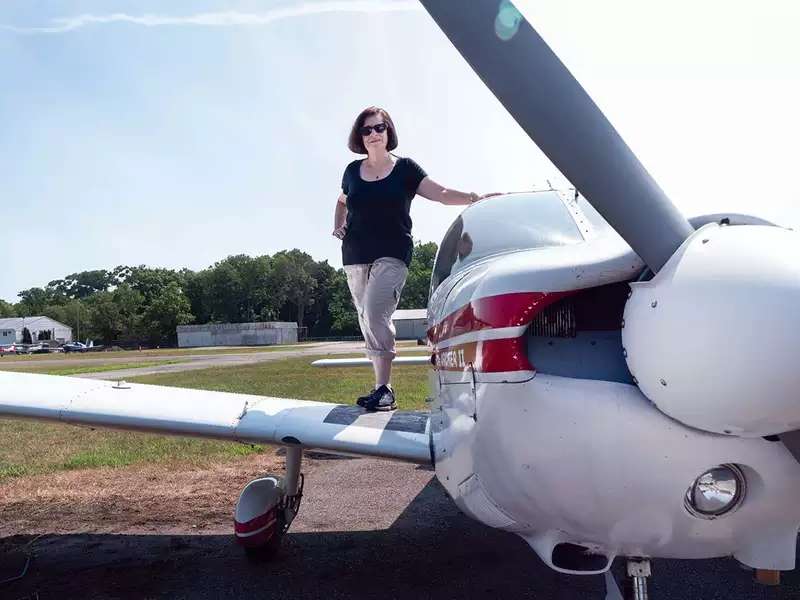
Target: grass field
pixel 105 355
pixel 51 369
pixel 28 447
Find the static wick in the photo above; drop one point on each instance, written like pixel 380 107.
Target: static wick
pixel 508 21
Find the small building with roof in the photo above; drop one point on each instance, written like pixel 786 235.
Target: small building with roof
pixel 410 324
pixel 40 328
pixel 237 334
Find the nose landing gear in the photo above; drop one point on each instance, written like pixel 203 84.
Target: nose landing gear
pixel 635 586
pixel 636 583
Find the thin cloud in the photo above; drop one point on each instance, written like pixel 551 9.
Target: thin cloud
pixel 222 19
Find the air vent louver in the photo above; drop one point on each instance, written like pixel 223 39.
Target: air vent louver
pixel 557 320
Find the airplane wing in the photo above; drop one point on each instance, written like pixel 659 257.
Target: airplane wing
pixel 337 428
pixel 365 362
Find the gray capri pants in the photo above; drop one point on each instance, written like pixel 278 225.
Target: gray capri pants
pixel 376 289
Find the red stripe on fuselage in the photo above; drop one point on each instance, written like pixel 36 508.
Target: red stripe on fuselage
pixel 488 356
pixel 500 356
pixel 504 310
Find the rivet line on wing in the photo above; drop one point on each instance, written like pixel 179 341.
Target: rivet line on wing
pixel 63 411
pixel 237 421
pixel 245 408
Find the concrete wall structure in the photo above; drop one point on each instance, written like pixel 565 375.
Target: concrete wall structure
pixel 410 324
pixel 58 331
pixel 237 334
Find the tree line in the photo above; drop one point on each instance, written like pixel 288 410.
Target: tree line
pixel 129 305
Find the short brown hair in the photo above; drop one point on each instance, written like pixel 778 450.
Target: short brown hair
pixel 356 143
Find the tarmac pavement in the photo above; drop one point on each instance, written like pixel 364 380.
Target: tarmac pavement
pixel 366 529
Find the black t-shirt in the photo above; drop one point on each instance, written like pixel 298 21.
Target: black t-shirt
pixel 378 213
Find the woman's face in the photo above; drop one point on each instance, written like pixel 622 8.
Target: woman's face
pixel 374 140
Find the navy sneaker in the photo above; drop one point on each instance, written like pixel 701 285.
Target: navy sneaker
pixel 362 400
pixel 381 399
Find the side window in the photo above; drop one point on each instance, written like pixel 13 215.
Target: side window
pixel 447 255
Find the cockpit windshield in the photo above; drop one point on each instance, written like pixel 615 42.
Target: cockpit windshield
pixel 504 224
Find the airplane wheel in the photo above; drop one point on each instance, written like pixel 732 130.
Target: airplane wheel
pixel 270 549
pixel 261 533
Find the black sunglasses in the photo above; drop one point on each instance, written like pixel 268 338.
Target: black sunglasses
pixel 367 129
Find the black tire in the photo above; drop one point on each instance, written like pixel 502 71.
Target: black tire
pixel 268 551
pixel 264 553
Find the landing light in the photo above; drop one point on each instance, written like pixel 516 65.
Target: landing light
pixel 716 492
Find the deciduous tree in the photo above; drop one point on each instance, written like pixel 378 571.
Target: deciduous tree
pixel 7 310
pixel 167 310
pixel 344 319
pixel 32 301
pixel 294 277
pixel 415 294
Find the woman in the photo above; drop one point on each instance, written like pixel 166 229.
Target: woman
pixel 372 219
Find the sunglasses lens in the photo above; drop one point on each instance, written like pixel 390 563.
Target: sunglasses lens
pixel 367 129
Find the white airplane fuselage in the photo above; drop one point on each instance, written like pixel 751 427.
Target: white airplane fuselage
pixel 538 426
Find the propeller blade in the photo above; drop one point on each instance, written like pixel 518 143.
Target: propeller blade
pixel 557 113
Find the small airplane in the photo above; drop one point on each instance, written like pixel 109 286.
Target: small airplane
pixel 609 378
pixel 87 346
pixel 9 349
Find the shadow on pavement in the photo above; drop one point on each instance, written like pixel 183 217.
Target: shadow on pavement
pixel 430 551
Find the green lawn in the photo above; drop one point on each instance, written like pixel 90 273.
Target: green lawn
pixel 50 369
pixel 105 355
pixel 29 447
pixel 296 378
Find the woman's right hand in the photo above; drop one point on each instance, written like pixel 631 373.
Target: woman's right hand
pixel 339 232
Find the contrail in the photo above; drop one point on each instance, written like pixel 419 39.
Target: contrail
pixel 223 19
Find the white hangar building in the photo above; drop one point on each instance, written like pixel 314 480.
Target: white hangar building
pixel 237 334
pixel 11 329
pixel 410 324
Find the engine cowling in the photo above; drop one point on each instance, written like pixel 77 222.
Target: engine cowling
pixel 713 339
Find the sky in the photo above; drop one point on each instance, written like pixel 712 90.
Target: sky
pixel 176 134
